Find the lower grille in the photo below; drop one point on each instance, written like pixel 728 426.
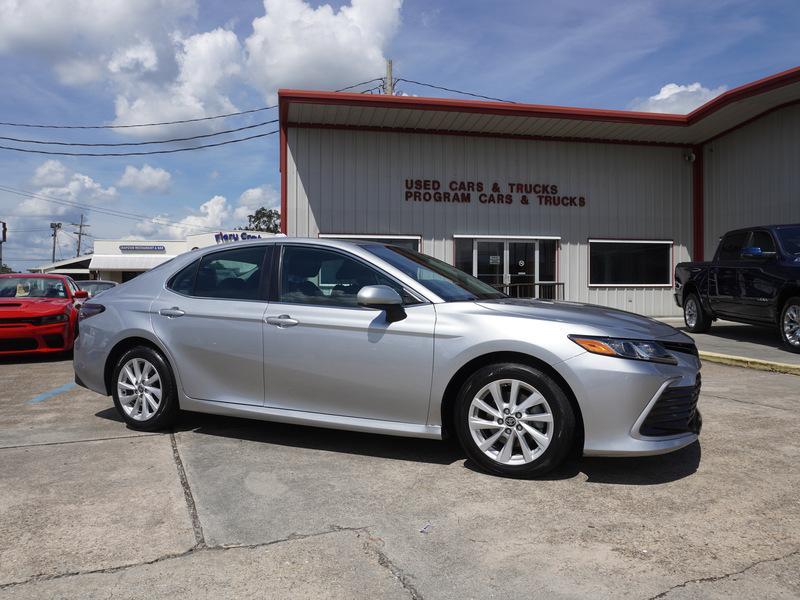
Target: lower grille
pixel 54 340
pixel 18 344
pixel 674 412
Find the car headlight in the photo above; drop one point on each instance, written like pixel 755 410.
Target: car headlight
pixel 647 350
pixel 50 319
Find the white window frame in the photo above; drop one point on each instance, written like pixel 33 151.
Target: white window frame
pixel 377 236
pixel 671 271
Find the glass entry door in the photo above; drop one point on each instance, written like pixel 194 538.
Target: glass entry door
pixel 520 268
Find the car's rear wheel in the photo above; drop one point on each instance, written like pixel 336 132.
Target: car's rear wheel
pixel 144 390
pixel 790 324
pixel 696 319
pixel 514 420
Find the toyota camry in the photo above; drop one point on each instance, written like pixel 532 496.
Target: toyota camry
pixel 378 338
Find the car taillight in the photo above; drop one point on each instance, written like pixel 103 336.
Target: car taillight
pixel 89 310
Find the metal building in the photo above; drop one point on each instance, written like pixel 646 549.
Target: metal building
pixel 587 205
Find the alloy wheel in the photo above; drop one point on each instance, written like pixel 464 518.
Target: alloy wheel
pixel 510 422
pixel 139 389
pixel 791 325
pixel 690 312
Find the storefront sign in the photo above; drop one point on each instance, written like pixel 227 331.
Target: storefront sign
pixel 141 248
pixel 466 192
pixel 221 237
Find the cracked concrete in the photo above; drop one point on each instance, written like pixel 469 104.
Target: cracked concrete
pixel 231 508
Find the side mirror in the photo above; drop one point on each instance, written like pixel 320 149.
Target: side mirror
pixel 81 294
pixel 755 252
pixel 382 297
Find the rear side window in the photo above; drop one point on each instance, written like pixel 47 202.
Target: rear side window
pixel 183 281
pixel 732 244
pixel 234 274
pixel 763 240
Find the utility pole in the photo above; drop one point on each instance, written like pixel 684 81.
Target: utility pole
pixel 3 235
pixel 388 87
pixel 79 233
pixel 55 227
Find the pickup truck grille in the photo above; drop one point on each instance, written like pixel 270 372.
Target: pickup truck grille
pixel 674 412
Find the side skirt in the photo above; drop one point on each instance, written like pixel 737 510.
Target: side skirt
pixel 297 417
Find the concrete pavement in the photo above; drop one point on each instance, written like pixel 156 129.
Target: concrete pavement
pixel 235 508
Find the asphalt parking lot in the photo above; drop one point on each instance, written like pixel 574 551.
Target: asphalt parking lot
pixel 233 508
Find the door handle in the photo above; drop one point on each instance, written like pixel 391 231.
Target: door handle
pixel 171 312
pixel 282 321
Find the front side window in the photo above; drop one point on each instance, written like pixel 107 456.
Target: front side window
pixel 790 240
pixel 446 281
pixel 326 277
pixel 763 240
pixel 32 287
pixel 629 263
pixel 231 274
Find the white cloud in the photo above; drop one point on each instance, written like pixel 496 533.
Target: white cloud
pixel 678 99
pixel 146 179
pixel 139 57
pixel 212 214
pixel 50 172
pixel 295 45
pixel 254 198
pixel 208 64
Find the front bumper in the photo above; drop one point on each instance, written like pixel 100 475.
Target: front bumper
pixel 616 396
pixel 35 339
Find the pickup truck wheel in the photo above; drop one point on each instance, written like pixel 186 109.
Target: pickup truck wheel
pixel 696 319
pixel 790 324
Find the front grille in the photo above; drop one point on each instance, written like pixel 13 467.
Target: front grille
pixel 674 412
pixel 54 340
pixel 685 347
pixel 18 344
pixel 20 320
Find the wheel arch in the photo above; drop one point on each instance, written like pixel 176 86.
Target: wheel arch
pixel 120 348
pixel 457 380
pixel 786 293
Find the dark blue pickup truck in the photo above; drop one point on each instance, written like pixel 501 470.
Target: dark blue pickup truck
pixel 754 278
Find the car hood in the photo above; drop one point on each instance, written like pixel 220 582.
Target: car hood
pixel 31 307
pixel 587 319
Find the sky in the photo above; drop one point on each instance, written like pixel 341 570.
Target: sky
pixel 117 62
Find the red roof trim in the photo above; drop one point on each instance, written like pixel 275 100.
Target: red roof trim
pixel 761 86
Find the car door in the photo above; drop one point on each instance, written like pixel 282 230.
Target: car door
pixel 725 286
pixel 209 317
pixel 760 283
pixel 325 354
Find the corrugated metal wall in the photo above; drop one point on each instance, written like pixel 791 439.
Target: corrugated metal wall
pixel 352 182
pixel 752 176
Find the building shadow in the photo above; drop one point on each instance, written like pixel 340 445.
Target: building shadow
pixel 651 470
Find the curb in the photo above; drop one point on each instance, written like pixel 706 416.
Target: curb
pixel 750 363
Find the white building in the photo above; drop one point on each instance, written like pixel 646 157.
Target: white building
pixel 589 205
pixel 123 259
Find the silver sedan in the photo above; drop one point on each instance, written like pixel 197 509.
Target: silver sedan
pixel 378 338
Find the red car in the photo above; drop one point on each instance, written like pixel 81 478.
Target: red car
pixel 38 313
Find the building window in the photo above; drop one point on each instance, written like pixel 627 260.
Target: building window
pixel 412 242
pixel 630 263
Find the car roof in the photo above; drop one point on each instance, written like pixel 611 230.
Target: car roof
pixel 34 275
pixel 769 227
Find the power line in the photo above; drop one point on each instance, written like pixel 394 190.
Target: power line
pixel 438 87
pixel 147 153
pixel 107 211
pixel 183 139
pixel 233 114
pixel 355 85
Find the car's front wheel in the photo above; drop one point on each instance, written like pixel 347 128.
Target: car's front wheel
pixel 514 420
pixel 144 390
pixel 790 324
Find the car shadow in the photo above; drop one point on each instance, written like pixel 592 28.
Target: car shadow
pixel 751 334
pixel 649 470
pixel 27 359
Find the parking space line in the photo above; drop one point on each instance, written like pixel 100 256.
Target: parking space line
pixel 54 392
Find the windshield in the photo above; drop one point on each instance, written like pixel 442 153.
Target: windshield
pixel 790 239
pixel 447 282
pixel 95 287
pixel 31 287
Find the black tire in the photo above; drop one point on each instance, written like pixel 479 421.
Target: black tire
pixel 561 430
pixel 168 407
pixel 790 316
pixel 700 321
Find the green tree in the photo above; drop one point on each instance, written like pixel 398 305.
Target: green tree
pixel 4 268
pixel 264 219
